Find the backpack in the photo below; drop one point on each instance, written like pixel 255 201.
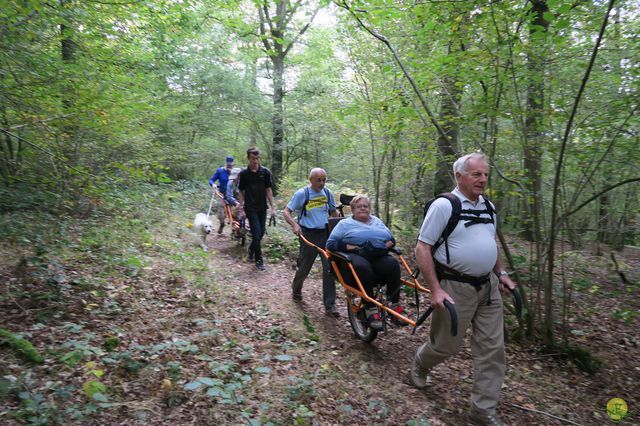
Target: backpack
pixel 472 217
pixel 303 211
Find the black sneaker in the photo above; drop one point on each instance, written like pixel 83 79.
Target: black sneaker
pixel 297 297
pixel 373 319
pixel 260 265
pixel 333 311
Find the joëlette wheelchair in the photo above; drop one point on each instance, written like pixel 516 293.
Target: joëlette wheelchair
pixel 357 296
pixel 238 226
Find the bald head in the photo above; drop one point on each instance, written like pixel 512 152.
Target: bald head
pixel 317 178
pixel 316 171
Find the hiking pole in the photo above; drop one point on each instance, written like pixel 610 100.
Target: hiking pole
pixel 452 313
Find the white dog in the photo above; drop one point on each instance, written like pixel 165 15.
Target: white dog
pixel 203 227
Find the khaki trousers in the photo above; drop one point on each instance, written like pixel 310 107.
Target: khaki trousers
pixel 487 338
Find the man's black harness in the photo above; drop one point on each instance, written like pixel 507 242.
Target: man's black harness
pixel 445 273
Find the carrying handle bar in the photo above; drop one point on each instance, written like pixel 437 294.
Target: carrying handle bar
pixel 452 314
pixel 517 301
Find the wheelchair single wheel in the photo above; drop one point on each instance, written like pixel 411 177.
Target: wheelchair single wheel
pixel 358 320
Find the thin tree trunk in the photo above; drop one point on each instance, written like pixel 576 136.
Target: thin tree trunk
pixel 549 321
pixel 448 143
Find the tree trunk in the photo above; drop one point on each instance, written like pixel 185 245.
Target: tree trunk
pixel 534 126
pixel 69 139
pixel 277 122
pixel 448 143
pixel 389 187
pixel 276 37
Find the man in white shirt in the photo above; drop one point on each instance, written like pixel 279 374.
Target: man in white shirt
pixel 469 273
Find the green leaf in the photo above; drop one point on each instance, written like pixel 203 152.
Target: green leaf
pixel 192 385
pixel 100 397
pixel 207 381
pixel 263 370
pixel 214 391
pixel 283 357
pixel 93 387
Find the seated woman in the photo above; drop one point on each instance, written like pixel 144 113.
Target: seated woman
pixel 367 240
pixel 231 193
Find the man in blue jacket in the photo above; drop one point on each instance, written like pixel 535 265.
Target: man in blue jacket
pixel 221 175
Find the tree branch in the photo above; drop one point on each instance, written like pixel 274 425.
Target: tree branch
pixel 599 194
pixel 546 414
pixel 301 32
pixel 398 61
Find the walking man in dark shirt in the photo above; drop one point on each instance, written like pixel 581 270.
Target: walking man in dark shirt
pixel 254 191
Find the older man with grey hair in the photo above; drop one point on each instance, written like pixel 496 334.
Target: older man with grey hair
pixel 466 271
pixel 314 204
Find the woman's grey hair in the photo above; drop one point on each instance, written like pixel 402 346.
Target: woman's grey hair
pixel 461 163
pixel 357 198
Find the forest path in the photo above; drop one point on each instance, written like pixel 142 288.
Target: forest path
pixel 182 336
pixel 348 381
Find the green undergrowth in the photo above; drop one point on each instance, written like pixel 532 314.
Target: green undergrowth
pixel 22 347
pixel 78 279
pixel 71 277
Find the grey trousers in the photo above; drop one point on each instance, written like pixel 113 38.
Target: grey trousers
pixel 487 339
pixel 306 257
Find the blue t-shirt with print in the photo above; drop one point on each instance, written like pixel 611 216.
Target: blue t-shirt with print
pixel 317 210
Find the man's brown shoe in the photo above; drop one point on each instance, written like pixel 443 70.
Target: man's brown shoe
pixel 418 376
pixel 482 418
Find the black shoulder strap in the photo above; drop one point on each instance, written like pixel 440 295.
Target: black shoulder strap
pixel 490 208
pixel 456 208
pixel 303 211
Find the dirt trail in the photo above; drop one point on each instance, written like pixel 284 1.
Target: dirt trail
pixel 206 338
pixel 355 382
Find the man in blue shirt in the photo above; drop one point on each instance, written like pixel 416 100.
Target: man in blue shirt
pixel 314 204
pixel 221 175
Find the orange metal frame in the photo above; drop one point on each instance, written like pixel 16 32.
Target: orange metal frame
pixel 359 291
pixel 227 209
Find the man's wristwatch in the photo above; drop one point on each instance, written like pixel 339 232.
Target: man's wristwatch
pixel 502 274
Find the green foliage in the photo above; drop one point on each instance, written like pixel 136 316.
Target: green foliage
pixel 301 389
pixel 174 370
pixel 22 347
pixel 582 358
pixel 626 315
pixel 302 415
pixel 94 390
pixel 312 335
pixel 111 343
pixel 279 243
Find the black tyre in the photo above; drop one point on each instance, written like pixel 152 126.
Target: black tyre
pixel 358 321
